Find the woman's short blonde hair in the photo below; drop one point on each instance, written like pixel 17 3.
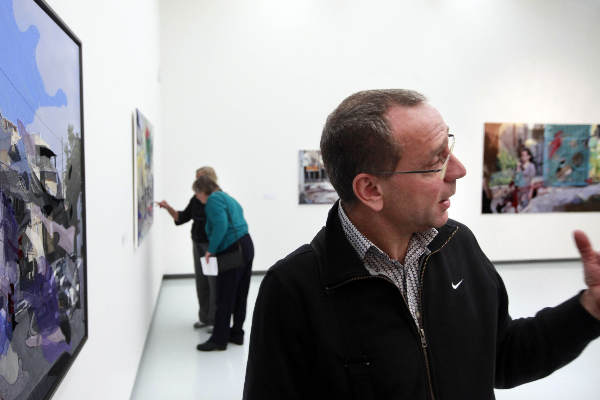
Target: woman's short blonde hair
pixel 207 171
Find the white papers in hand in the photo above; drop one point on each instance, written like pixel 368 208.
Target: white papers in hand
pixel 209 268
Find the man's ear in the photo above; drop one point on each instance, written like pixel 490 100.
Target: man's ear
pixel 368 191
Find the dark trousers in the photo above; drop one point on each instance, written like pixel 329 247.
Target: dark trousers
pixel 206 287
pixel 232 295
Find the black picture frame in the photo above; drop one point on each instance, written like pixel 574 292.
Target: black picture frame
pixel 42 194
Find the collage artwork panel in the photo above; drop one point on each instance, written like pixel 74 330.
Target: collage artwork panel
pixel 541 168
pixel 144 176
pixel 43 310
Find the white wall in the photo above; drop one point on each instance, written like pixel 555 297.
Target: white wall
pixel 247 84
pixel 530 288
pixel 120 73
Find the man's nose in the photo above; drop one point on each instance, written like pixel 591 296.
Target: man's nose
pixel 455 169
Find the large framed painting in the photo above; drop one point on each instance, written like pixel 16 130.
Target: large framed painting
pixel 43 303
pixel 540 168
pixel 143 177
pixel 313 183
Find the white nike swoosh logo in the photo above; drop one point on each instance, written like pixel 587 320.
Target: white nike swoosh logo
pixel 457 285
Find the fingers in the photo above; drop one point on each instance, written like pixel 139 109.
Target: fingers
pixel 583 245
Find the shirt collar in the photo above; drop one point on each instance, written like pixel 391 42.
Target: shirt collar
pixel 362 244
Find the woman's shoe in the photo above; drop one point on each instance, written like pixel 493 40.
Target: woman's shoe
pixel 198 325
pixel 210 346
pixel 236 339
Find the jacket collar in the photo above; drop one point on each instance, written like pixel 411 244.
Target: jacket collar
pixel 339 262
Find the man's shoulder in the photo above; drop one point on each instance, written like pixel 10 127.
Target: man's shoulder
pixel 299 265
pixel 457 228
pixel 463 241
pixel 455 235
pixel 303 255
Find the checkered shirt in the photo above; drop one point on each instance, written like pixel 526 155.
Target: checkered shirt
pixel 377 262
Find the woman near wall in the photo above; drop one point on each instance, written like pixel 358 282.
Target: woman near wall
pixel 226 228
pixel 205 285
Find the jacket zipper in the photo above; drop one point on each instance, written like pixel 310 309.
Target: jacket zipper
pixel 419 325
pixel 420 330
pixel 420 315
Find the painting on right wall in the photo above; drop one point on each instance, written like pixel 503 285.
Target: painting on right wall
pixel 539 168
pixel 313 182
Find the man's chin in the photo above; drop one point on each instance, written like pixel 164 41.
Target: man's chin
pixel 441 221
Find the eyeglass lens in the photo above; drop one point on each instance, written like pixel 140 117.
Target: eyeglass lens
pixel 451 142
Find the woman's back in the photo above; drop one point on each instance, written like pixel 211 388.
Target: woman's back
pixel 225 221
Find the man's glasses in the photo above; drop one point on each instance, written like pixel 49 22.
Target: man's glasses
pixel 441 170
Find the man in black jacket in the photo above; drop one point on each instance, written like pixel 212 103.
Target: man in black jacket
pixel 392 300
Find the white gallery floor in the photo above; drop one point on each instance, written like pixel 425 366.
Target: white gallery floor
pixel 172 368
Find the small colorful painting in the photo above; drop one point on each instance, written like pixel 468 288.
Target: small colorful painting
pixel 314 185
pixel 537 168
pixel 143 176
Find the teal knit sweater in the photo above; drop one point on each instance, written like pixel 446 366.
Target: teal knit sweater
pixel 225 222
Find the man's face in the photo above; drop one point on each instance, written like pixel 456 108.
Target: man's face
pixel 417 202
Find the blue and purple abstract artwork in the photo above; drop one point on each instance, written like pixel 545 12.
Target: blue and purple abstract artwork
pixel 43 308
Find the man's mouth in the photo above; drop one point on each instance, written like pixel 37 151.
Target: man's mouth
pixel 445 202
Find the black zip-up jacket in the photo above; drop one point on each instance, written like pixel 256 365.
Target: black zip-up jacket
pixel 324 328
